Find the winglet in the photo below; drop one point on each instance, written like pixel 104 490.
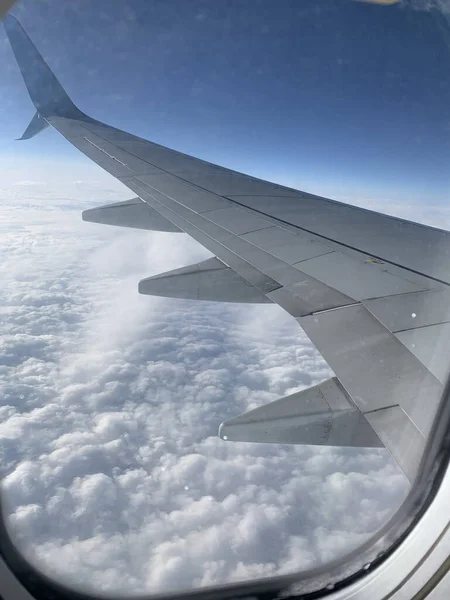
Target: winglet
pixel 37 124
pixel 46 93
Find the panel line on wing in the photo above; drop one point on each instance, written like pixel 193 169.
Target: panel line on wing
pixel 326 310
pixel 104 151
pixel 370 412
pixel 421 327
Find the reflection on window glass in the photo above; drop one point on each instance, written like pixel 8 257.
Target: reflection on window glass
pixel 113 470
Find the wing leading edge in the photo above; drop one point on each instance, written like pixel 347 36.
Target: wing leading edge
pixel 371 291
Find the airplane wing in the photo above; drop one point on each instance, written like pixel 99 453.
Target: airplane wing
pixel 371 291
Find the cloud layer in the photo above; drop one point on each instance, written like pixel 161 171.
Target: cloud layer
pixel 113 472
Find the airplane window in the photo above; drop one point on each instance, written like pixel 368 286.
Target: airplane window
pixel 263 408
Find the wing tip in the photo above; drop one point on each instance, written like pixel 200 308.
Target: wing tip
pixel 46 93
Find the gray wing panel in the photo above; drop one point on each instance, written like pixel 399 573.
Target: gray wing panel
pixel 411 310
pixel 424 250
pixel 431 345
pixel 355 277
pixel 375 368
pixel 286 245
pixel 236 220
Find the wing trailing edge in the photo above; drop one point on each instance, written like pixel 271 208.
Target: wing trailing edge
pixel 132 213
pixel 210 279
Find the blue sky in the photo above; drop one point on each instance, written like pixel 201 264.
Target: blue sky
pixel 333 96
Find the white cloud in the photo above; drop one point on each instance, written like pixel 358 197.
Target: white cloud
pixel 442 6
pixel 113 473
pixel 26 182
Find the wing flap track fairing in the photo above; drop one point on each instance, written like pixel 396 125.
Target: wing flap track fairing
pixel 131 213
pixel 210 279
pixel 322 415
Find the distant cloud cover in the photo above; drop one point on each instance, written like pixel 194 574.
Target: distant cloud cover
pixel 113 472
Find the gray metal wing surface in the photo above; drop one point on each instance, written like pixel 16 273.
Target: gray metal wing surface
pixel 371 291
